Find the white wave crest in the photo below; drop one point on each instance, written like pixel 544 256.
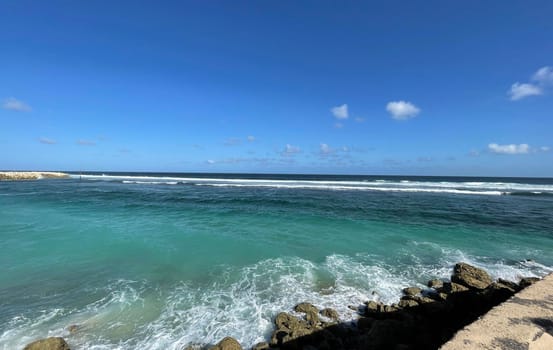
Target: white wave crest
pixel 470 187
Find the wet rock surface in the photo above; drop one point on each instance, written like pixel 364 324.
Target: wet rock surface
pixel 470 276
pixel 52 343
pixel 227 343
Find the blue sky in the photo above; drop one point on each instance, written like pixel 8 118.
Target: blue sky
pixel 388 87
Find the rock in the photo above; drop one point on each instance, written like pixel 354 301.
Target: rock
pixel 276 337
pixel 288 322
pixel 525 282
pixel 290 328
pixel 372 306
pixel 509 284
pixel 73 328
pixel 499 292
pixel 296 333
pixel 330 313
pixel 52 343
pixel 228 343
pixel 470 276
pixel 305 308
pixel 452 287
pixel 439 296
pixel 424 300
pixel 261 346
pixel 310 311
pixel 407 303
pixel 419 299
pixel 435 283
pixel 412 291
pixel 511 287
pixel 388 308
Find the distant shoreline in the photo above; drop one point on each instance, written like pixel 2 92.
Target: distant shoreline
pixel 31 175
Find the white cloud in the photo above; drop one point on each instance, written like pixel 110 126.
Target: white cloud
pixel 47 141
pixel 522 148
pixel 402 110
pixel 543 76
pixel 291 150
pixel 340 112
pixel 251 138
pixel 240 160
pixel 14 104
pixel 519 91
pixel 542 80
pixel 545 148
pixel 325 149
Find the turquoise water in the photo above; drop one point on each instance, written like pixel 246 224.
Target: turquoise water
pixel 158 261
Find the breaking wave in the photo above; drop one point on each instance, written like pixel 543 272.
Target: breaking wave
pixel 450 187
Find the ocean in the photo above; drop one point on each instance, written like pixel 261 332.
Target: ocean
pixel 160 261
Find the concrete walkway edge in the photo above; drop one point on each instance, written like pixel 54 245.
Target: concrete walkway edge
pixel 524 322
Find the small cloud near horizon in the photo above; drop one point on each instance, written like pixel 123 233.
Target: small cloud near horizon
pixel 13 104
pixel 340 112
pixel 251 138
pixel 47 141
pixel 522 148
pixel 402 110
pixel 290 150
pixel 325 149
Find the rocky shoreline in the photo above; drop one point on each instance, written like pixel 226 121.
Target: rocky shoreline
pixel 31 175
pixel 422 319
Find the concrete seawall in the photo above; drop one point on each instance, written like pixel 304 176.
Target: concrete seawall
pixel 525 321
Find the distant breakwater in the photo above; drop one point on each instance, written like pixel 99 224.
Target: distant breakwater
pixel 31 175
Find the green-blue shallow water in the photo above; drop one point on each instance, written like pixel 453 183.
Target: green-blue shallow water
pixel 158 261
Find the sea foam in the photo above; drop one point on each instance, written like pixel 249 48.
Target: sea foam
pixel 241 302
